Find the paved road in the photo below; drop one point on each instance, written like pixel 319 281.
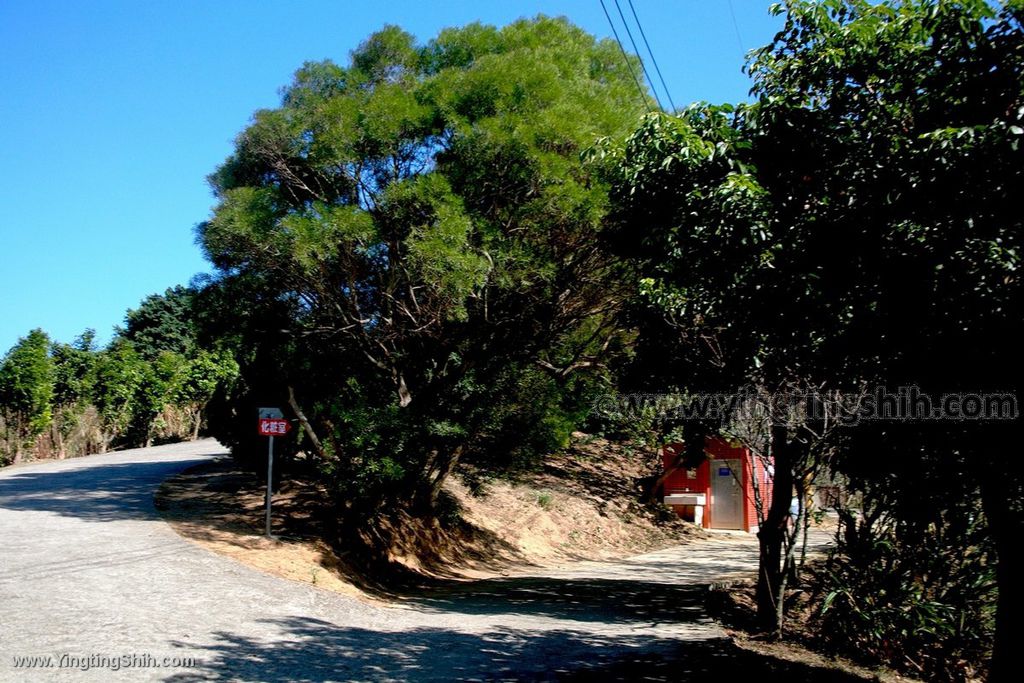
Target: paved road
pixel 88 570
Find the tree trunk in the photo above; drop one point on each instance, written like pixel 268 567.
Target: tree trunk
pixel 652 494
pixel 691 455
pixel 439 467
pixel 56 437
pixel 306 426
pixel 19 441
pixel 772 533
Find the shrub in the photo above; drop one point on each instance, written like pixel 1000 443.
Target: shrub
pixel 919 598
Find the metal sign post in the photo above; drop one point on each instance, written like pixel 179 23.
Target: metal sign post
pixel 270 480
pixel 272 423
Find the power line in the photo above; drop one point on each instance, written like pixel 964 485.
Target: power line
pixel 639 88
pixel 636 51
pixel 735 25
pixel 651 53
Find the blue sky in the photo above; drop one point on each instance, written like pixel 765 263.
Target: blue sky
pixel 113 113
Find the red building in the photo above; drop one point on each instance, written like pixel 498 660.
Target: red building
pixel 721 491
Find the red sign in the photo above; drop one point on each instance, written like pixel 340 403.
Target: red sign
pixel 273 427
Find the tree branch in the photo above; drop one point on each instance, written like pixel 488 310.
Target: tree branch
pixel 306 426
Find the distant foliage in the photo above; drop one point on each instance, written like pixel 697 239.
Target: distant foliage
pixel 162 322
pixel 26 392
pixel 151 384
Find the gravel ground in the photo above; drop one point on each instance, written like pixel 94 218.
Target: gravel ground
pixel 95 586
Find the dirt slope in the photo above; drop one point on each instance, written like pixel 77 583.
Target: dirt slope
pixel 585 503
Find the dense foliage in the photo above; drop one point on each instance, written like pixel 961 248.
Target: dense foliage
pixel 922 601
pixel 858 224
pixel 407 249
pixel 153 383
pixel 26 390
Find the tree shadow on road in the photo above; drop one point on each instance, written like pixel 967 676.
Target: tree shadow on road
pixel 516 628
pixel 316 650
pixel 95 493
pixel 606 601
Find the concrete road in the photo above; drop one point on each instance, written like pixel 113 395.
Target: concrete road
pixel 95 587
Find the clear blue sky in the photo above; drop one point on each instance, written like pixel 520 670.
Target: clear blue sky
pixel 113 113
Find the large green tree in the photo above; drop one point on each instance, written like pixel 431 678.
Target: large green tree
pixel 413 237
pixel 197 383
pixel 26 389
pixel 157 377
pixel 715 310
pixel 902 123
pixel 859 221
pixel 162 322
pixel 118 393
pixel 74 378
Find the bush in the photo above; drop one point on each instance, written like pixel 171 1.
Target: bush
pixel 918 598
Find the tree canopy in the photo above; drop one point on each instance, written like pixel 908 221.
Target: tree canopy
pixel 413 238
pixel 26 388
pixel 153 382
pixel 162 322
pixel 858 223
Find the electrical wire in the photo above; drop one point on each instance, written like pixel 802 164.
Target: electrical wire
pixel 639 88
pixel 735 25
pixel 636 51
pixel 654 61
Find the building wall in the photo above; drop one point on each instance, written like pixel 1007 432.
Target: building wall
pixel 763 476
pixel 697 480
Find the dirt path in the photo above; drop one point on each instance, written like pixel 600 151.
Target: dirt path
pixel 89 571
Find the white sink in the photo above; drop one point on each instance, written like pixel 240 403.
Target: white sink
pixel 686 499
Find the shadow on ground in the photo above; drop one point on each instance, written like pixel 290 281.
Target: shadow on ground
pixel 95 493
pixel 606 601
pixel 516 628
pixel 315 650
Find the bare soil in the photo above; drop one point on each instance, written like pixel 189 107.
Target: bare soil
pixel 220 506
pixel 586 503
